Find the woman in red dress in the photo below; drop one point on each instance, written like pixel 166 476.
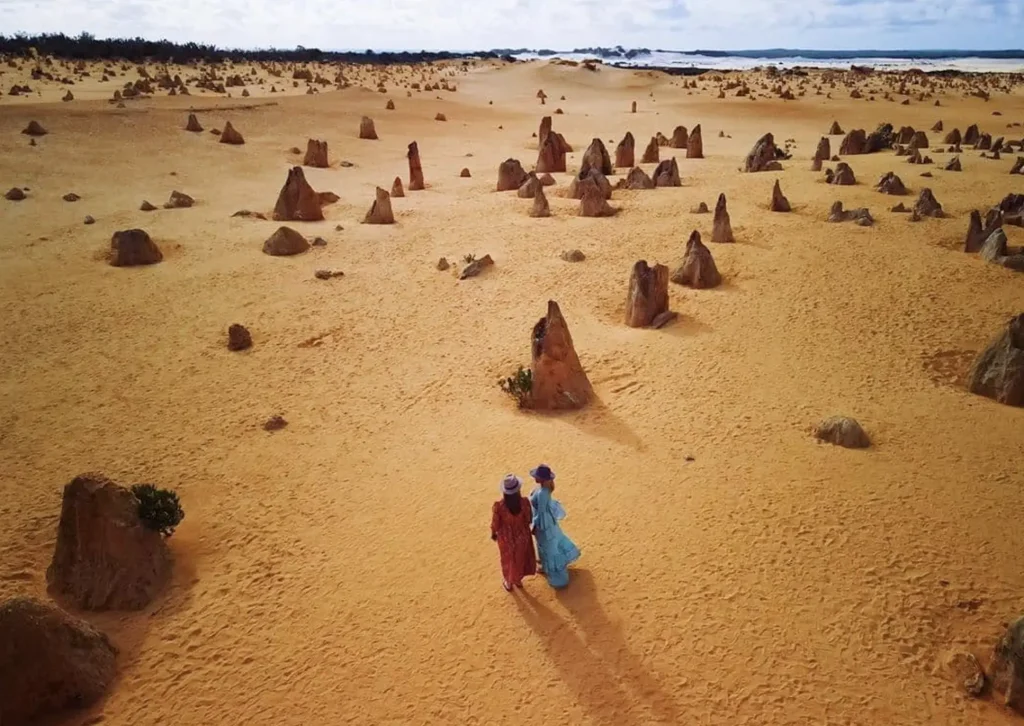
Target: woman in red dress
pixel 510 528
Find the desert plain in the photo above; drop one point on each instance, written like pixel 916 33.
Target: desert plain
pixel 340 570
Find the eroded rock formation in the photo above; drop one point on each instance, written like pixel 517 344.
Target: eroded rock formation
pixel 625 152
pixel 132 247
pixel 762 157
pixel 105 557
pixel 231 136
pixel 380 212
pixel 366 129
pixel 415 169
pixel 285 242
pixel 297 201
pixel 721 229
pixel 778 202
pixel 695 144
pixel 648 294
pixel 998 373
pixel 511 175
pixel 698 269
pixel 559 381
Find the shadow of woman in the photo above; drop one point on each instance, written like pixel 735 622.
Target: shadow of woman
pixel 606 640
pixel 610 682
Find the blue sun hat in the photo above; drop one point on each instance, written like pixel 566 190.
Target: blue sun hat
pixel 542 473
pixel 510 484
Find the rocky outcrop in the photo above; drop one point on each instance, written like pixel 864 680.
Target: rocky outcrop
pixel 648 294
pixel 366 129
pixel 559 381
pixel 998 373
pixel 953 164
pixel 855 142
pixel 230 136
pixel 625 152
pixel 415 169
pixel 50 661
pixel 15 194
pixel 133 247
pixel 1018 166
pixel 511 175
pixel 778 202
pixel 972 135
pixel 193 124
pixel 34 128
pixel 891 184
pixel 1007 667
pixel 821 154
pixel 698 269
pixel 316 154
pixel 380 212
pixel 179 200
pixel 666 174
pixel 636 179
pixel 551 154
pixel 842 431
pixel 835 129
pixel 652 153
pixel 842 176
pixel 860 216
pixel 680 138
pixel 576 186
pixel 937 126
pixel 540 207
pixel 927 205
pixel 695 144
pixel 105 557
pixel 396 188
pixel 919 140
pixel 239 337
pixel 285 242
pixel 592 200
pixel 978 233
pixel 721 229
pixel 297 202
pixel 953 138
pixel 528 189
pixel 762 156
pixel 596 157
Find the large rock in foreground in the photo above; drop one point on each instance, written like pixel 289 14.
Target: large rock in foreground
pixel 559 381
pixel 132 247
pixel 49 661
pixel 1007 669
pixel 105 558
pixel 998 373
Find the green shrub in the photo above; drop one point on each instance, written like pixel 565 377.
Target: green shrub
pixel 159 509
pixel 518 386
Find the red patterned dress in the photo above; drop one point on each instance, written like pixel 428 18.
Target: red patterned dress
pixel 515 542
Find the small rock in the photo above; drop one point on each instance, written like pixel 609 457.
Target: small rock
pixel 442 264
pixel 475 267
pixel 247 213
pixel 573 256
pixel 14 194
pixel 179 200
pixel 319 242
pixel 842 431
pixel 701 208
pixel 967 672
pixel 89 220
pixel 239 337
pixel 146 206
pixel 274 423
pixel 346 164
pixel 71 197
pixel 328 274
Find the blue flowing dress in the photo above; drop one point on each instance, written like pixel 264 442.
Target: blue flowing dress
pixel 555 551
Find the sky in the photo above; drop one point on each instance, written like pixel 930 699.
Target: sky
pixel 556 24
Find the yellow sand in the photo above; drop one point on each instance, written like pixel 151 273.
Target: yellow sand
pixel 340 570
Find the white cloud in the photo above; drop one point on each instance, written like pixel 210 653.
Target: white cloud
pixel 560 24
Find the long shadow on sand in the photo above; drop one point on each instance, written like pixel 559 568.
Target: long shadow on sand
pixel 610 682
pixel 597 419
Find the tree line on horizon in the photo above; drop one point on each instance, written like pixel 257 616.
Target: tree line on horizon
pixel 88 47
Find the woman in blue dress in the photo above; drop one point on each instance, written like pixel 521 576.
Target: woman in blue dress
pixel 554 550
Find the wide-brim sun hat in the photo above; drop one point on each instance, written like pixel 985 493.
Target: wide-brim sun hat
pixel 542 473
pixel 511 484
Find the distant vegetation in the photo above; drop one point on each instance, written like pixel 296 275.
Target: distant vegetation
pixel 138 50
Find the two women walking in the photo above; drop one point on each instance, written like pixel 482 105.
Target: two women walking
pixel 514 518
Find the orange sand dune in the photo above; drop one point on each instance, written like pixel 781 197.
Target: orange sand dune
pixel 340 570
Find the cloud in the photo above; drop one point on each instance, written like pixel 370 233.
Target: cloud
pixel 561 24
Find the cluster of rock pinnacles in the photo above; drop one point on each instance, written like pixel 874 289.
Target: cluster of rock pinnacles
pixel 105 558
